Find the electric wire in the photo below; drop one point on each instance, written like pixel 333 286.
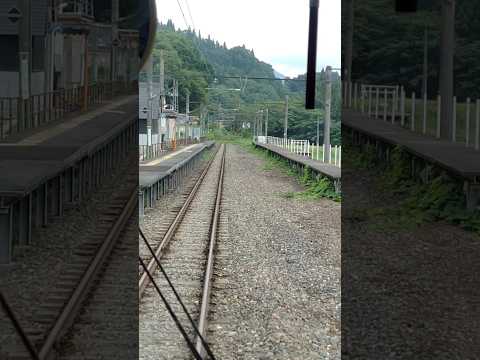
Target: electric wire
pixel 177 296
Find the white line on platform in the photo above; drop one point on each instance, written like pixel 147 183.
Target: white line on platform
pixel 166 157
pixel 60 128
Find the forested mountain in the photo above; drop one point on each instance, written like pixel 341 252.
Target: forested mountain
pixel 200 63
pixel 386 41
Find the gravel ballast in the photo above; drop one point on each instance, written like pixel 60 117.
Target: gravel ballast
pixel 408 292
pixel 276 288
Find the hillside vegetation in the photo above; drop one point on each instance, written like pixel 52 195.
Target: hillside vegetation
pixel 388 47
pixel 199 63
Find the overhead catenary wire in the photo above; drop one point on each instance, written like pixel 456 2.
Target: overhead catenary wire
pixel 26 341
pixel 171 312
pixel 177 296
pixel 190 13
pixel 183 14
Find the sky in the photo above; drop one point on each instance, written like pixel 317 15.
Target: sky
pixel 277 30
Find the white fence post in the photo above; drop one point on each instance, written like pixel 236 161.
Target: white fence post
pixel 477 126
pixel 394 105
pixel 402 106
pixel 454 124
pixel 412 125
pixel 385 104
pixel 362 94
pixel 369 101
pixel 355 96
pixel 439 109
pixel 349 94
pixel 467 123
pixel 424 124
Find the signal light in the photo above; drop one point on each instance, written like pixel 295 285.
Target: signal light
pixel 406 5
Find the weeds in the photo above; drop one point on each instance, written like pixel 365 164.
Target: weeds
pixel 438 199
pixel 316 187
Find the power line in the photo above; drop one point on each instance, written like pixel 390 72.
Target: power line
pixel 183 14
pixel 190 13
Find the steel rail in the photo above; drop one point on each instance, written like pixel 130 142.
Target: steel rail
pixel 81 291
pixel 207 283
pixel 144 279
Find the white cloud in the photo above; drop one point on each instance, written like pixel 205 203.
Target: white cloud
pixel 277 30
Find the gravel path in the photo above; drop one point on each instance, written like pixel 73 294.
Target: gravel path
pixel 407 293
pixel 277 276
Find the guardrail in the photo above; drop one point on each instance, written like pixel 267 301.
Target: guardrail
pixel 327 154
pixel 18 115
pixel 422 115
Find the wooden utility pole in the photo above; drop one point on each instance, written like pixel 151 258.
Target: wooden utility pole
pixel 187 111
pixel 285 130
pixel 25 56
pixel 85 73
pixel 347 66
pixel 115 39
pixel 149 69
pixel 425 63
pixel 318 130
pixel 266 124
pixel 328 102
pixel 447 46
pixel 162 82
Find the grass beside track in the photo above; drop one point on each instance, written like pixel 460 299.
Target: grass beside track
pixel 316 187
pixel 438 199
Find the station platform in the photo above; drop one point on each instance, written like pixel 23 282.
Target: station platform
pixel 60 164
pixel 31 161
pixel 157 176
pixel 328 170
pixel 155 170
pixel 457 158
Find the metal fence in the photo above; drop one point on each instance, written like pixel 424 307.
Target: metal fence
pixel 327 154
pixel 149 152
pixel 422 115
pixel 18 115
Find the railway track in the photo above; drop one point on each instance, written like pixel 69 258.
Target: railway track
pixel 79 277
pixel 186 252
pixel 163 223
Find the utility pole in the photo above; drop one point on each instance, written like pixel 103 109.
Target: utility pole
pixel 266 125
pixel 347 66
pixel 115 39
pixel 162 82
pixel 328 102
pixel 187 110
pixel 285 131
pixel 149 104
pixel 25 56
pixel 425 63
pixel 447 45
pixel 318 130
pixel 260 120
